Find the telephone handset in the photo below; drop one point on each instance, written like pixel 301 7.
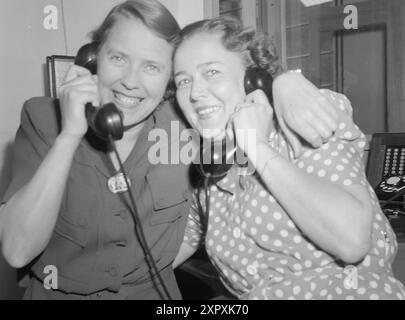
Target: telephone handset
pixel 391 185
pixel 222 151
pixel 106 120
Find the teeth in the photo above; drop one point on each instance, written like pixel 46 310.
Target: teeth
pixel 127 100
pixel 206 111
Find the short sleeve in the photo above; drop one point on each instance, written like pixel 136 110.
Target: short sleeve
pixel 30 147
pixel 194 234
pixel 340 160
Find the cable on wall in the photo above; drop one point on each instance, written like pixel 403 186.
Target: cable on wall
pixel 64 26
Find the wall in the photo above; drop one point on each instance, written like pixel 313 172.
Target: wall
pixel 25 43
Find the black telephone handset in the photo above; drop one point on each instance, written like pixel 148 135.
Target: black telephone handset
pixel 106 120
pixel 222 151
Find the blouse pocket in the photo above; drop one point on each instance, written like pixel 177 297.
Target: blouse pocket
pixel 74 233
pixel 169 195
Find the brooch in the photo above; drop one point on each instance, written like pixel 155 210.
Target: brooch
pixel 116 184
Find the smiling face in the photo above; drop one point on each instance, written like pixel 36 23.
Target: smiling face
pixel 209 80
pixel 133 68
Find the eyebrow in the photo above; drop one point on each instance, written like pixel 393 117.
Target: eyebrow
pixel 199 66
pixel 116 51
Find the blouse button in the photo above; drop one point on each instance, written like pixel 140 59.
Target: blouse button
pixel 236 233
pixel 252 270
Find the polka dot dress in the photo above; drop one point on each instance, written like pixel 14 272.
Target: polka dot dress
pixel 261 254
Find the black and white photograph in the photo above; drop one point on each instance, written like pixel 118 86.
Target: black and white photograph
pixel 218 151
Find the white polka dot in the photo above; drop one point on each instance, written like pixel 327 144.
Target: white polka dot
pixel 254 203
pixel 327 162
pixel 374 296
pixel 278 243
pixel 244 261
pixel 296 289
pixel 301 164
pixel 334 154
pixel 321 173
pixel 310 246
pixel 264 209
pixel 387 288
pixel 290 224
pixel 248 213
pixel 277 215
pixel 270 227
pixel 235 257
pixel 340 167
pixel 380 244
pixel 325 146
pixel 313 286
pixel 338 290
pixel 258 220
pixel 242 247
pixel 279 293
pixel 348 135
pixel 210 242
pixel 307 153
pixel 334 177
pixel 227 253
pixel 310 169
pixel 347 182
pixel 342 125
pixel 253 231
pixel 340 147
pixel 283 262
pixel 324 263
pixel 219 248
pixel 361 291
pixel 308 296
pixel 264 237
pixel 366 261
pixel 297 239
pixel 373 284
pixel 317 254
pixel 284 233
pixel 297 266
pixel 262 194
pixel 317 156
pixel 323 292
pixel 308 263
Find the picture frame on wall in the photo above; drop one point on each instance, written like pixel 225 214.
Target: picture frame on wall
pixel 57 67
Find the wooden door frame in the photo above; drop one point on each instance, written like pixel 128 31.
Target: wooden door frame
pixel 387 13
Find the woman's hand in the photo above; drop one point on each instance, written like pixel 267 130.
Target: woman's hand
pixel 254 116
pixel 303 111
pixel 79 88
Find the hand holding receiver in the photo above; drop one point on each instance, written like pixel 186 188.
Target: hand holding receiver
pixel 221 153
pixel 106 120
pixel 78 89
